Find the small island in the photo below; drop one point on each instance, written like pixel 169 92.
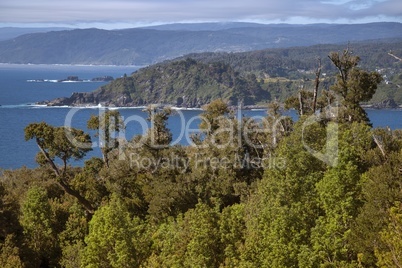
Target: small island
pixel 73 78
pixel 70 79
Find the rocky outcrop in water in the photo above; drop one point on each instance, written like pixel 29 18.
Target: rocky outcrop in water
pixel 71 78
pixel 76 99
pixel 385 104
pixel 90 99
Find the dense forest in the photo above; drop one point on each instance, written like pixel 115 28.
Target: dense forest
pixel 282 71
pixel 323 191
pixel 253 78
pixel 187 83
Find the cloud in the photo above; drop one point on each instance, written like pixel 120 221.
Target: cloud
pixel 149 11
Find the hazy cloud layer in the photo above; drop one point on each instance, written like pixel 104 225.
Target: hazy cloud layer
pixel 151 11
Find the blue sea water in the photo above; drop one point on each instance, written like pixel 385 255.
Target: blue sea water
pixel 17 97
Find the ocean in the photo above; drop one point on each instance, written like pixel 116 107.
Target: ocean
pixel 18 97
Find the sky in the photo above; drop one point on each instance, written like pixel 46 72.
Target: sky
pixel 109 14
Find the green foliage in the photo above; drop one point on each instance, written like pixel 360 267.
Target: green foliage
pixel 115 238
pixel 391 236
pixel 297 62
pixel 158 135
pixel 187 83
pixel 284 208
pixel 9 211
pixel 10 255
pixel 228 157
pixel 232 228
pixel 72 237
pixel 353 85
pixel 36 220
pixel 285 70
pixel 381 188
pixel 339 197
pixel 64 143
pixel 319 192
pixel 108 126
pixel 214 112
pixel 192 240
pixel 89 181
pixel 388 90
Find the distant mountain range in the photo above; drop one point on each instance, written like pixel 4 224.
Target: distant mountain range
pixel 144 46
pixel 205 26
pixel 13 32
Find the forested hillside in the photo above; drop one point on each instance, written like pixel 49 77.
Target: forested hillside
pixel 287 61
pixel 324 191
pixel 283 71
pixel 254 77
pixel 186 83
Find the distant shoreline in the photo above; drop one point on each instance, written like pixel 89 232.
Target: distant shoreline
pixel 68 65
pixel 246 108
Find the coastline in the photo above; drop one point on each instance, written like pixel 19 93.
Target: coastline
pixel 100 106
pixel 67 65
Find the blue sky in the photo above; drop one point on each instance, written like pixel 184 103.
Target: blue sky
pixel 110 14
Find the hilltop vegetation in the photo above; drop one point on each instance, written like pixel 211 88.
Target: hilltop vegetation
pixel 281 72
pixel 254 77
pixel 185 83
pixel 190 83
pixel 286 62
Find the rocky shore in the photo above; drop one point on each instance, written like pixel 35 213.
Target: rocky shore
pixel 90 98
pixel 385 104
pixel 83 99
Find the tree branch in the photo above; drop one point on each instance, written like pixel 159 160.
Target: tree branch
pixel 87 205
pixel 48 159
pixel 379 146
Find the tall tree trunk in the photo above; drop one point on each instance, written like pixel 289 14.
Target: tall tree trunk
pixel 317 83
pixel 301 106
pixel 83 201
pixel 60 180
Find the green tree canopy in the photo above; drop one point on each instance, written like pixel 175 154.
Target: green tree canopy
pixel 108 126
pixel 64 144
pixel 353 85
